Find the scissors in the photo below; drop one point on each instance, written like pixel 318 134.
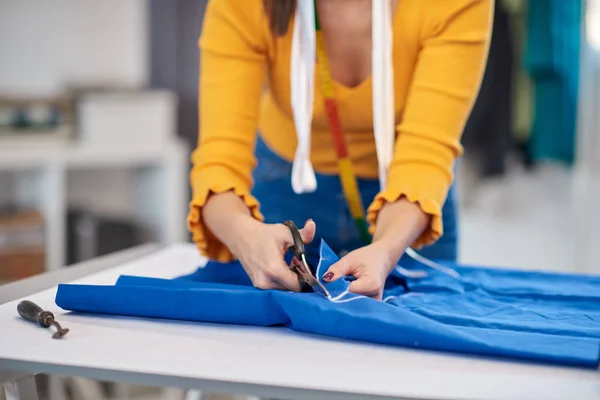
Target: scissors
pixel 300 265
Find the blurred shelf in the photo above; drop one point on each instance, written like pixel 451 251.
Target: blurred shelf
pixel 159 182
pixel 84 156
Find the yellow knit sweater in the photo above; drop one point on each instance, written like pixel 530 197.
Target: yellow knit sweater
pixel 440 50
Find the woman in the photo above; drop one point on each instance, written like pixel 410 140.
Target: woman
pixel 364 108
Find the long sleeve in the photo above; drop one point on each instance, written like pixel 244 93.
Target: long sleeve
pixel 232 69
pixel 444 86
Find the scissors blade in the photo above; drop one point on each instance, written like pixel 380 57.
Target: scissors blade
pixel 300 267
pixel 314 283
pixel 318 287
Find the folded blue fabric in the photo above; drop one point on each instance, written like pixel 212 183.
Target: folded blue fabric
pixel 536 316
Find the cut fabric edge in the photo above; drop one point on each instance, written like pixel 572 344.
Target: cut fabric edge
pixel 209 245
pixel 328 257
pixel 427 205
pixel 432 264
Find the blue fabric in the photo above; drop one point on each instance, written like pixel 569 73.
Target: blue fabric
pixel 327 205
pixel 552 59
pixel 544 317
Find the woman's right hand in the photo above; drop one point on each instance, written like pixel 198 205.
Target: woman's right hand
pixel 261 248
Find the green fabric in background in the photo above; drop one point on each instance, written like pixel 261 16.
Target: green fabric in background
pixel 552 60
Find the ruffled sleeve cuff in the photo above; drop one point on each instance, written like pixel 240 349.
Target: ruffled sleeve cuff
pixel 208 244
pixel 423 185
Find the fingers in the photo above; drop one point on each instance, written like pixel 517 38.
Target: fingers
pixel 284 236
pixel 343 267
pixel 266 284
pixel 308 232
pixel 287 278
pixel 366 283
pixel 279 278
pixel 277 275
pixel 366 286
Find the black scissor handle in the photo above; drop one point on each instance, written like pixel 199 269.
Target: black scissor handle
pixel 298 247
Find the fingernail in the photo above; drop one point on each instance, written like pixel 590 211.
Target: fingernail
pixel 328 276
pixel 308 220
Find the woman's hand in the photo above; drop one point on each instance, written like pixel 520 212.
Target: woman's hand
pixel 261 249
pixel 370 265
pixel 399 224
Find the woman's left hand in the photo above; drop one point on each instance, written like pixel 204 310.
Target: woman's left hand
pixel 399 225
pixel 370 265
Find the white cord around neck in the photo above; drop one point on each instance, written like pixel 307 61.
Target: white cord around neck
pixel 302 90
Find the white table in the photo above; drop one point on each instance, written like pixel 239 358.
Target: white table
pixel 266 362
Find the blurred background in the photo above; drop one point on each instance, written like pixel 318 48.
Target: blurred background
pixel 98 115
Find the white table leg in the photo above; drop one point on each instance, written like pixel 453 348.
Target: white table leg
pixel 56 388
pixel 172 394
pixel 86 389
pixel 21 389
pixel 198 395
pixel 193 395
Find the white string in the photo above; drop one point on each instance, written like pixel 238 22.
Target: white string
pixel 432 264
pixel 408 294
pixel 383 86
pixel 411 274
pixel 302 89
pixel 357 297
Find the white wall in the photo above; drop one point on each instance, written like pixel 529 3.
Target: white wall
pixel 44 44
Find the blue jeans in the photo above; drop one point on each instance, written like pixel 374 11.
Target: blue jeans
pixel 327 206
